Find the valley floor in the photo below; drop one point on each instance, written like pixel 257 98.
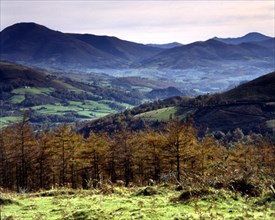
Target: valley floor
pixel 160 202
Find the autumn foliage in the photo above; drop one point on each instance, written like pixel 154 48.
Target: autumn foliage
pixel 32 160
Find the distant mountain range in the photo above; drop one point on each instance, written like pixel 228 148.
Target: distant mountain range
pixel 248 38
pixel 211 52
pixel 166 46
pixel 33 44
pixel 249 106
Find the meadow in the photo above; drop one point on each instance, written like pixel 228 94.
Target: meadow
pixel 151 202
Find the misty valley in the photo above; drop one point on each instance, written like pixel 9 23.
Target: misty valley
pixel 95 127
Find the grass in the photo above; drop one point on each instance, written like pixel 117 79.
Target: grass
pixel 270 123
pixel 87 109
pixel 4 121
pixel 68 86
pixel 162 114
pixel 19 93
pixel 32 91
pixel 127 203
pixel 17 99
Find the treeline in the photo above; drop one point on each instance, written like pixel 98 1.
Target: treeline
pixel 31 160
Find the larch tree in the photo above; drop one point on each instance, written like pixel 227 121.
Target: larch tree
pixel 61 151
pixel 44 158
pixel 25 148
pixel 124 157
pixel 206 154
pixel 180 137
pixel 93 156
pixel 153 157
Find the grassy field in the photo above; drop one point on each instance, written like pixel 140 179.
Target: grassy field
pixel 4 121
pixel 32 91
pixel 134 203
pixel 164 114
pixel 16 99
pixel 88 108
pixel 271 124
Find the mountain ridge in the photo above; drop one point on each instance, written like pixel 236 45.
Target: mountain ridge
pixel 34 44
pixel 37 44
pixel 166 46
pixel 250 37
pixel 207 53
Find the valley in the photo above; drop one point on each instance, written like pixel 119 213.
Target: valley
pixel 249 106
pixel 88 76
pixel 137 110
pixel 198 68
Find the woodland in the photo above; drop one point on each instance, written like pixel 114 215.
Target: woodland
pixel 175 153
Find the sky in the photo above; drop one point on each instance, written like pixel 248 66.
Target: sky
pixel 146 21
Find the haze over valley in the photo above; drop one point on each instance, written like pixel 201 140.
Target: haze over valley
pixel 208 66
pixel 116 74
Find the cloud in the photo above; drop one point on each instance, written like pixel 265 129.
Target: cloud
pixel 146 21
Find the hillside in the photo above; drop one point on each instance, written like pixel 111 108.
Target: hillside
pixel 52 99
pixel 260 89
pixel 249 106
pixel 30 43
pixel 119 48
pixel 211 54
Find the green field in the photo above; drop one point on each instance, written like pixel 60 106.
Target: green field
pixel 16 99
pixel 132 203
pixel 163 114
pixel 4 121
pixel 19 93
pixel 88 108
pixel 32 91
pixel 271 123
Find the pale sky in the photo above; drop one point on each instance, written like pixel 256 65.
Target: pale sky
pixel 146 21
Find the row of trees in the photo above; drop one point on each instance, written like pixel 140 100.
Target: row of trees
pixel 37 160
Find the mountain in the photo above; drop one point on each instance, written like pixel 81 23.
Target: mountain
pixel 20 76
pixel 33 44
pixel 203 67
pixel 210 53
pixel 30 43
pixel 249 106
pixel 119 48
pixel 165 46
pixel 250 37
pixel 261 89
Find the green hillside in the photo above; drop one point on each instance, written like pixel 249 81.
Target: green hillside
pixel 249 106
pixel 49 99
